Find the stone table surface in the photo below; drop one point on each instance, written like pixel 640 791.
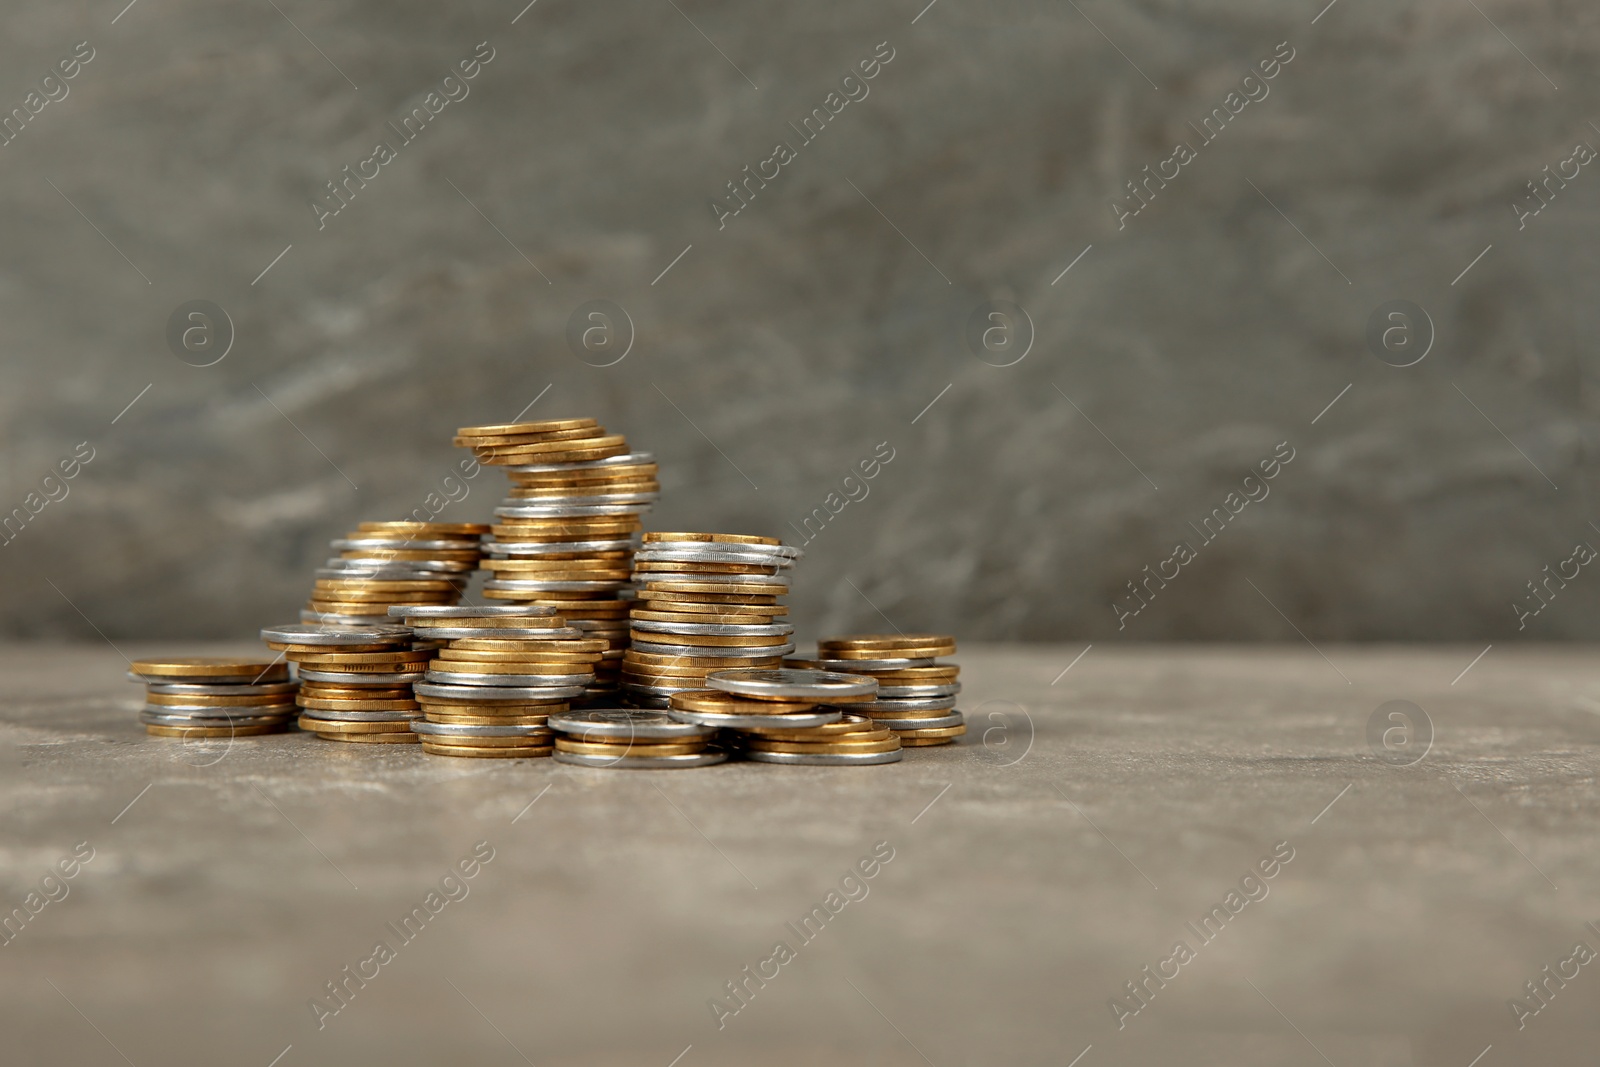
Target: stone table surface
pixel 1092 820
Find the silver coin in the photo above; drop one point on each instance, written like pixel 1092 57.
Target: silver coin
pixel 321 618
pixel 472 694
pixel 523 585
pixel 359 716
pixel 387 574
pixel 790 682
pixel 191 689
pixel 849 665
pixel 513 549
pixel 626 460
pixel 917 692
pixel 718 552
pixel 234 683
pixel 608 723
pixel 161 715
pixel 504 633
pixel 351 679
pixel 643 496
pixel 318 634
pixel 457 729
pixel 432 568
pixel 516 681
pixel 641 763
pixel 927 704
pixel 936 723
pixel 456 611
pixel 718 629
pixel 713 651
pixel 354 544
pixel 795 721
pixel 657 691
pixel 827 759
pixel 778 582
pixel 516 510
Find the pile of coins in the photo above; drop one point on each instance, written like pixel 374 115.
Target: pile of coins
pixel 916 696
pixel 632 740
pixel 565 535
pixel 386 563
pixel 497 676
pixel 355 681
pixel 789 715
pixel 706 602
pixel 206 696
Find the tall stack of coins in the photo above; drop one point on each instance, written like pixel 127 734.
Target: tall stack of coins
pixel 565 534
pixel 384 563
pixel 209 696
pixel 707 602
pixel 502 671
pixel 841 739
pixel 632 740
pixel 916 696
pixel 355 681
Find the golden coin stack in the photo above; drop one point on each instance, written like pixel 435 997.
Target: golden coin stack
pixel 707 602
pixel 792 716
pixel 627 739
pixel 385 563
pixel 916 696
pixel 564 536
pixel 209 696
pixel 355 681
pixel 501 672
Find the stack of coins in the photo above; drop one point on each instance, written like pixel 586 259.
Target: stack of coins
pixel 823 735
pixel 500 673
pixel 385 563
pixel 207 696
pixel 707 602
pixel 355 681
pixel 565 534
pixel 632 740
pixel 916 696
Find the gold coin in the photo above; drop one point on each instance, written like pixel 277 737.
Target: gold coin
pixel 722 589
pixel 625 749
pixel 939 675
pixel 292 650
pixel 325 704
pixel 935 733
pixel 490 622
pixel 538 426
pixel 561 645
pixel 584 481
pixel 886 642
pixel 831 746
pixel 587 563
pixel 333 726
pixel 383 586
pixel 435 555
pixel 652 659
pixel 716 702
pixel 323 691
pixel 488 753
pixel 663 567
pixel 645 615
pixel 212 731
pixel 850 724
pixel 534 736
pixel 614 444
pixel 723 602
pixel 507 667
pixel 569 489
pixel 924 742
pixel 930 652
pixel 487 720
pixel 199 667
pixel 713 640
pixel 434 530
pixel 576 528
pixel 371 739
pixel 367 659
pixel 498 440
pixel 754 613
pixel 509 655
pixel 492 709
pixel 186 700
pixel 736 539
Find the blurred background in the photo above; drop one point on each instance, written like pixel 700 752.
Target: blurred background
pixel 1150 349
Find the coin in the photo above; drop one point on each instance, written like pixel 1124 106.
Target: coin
pixel 916 692
pixel 359 715
pixel 909 706
pixel 192 732
pixel 539 427
pixel 196 700
pixel 848 666
pixel 220 689
pixel 449 611
pixel 209 669
pixel 643 763
pixel 324 704
pixel 724 538
pixel 656 648
pixel 303 634
pixel 886 642
pixel 827 759
pixel 496 693
pixel 596 723
pixel 785 682
pixel 502 633
pixel 848 724
pixel 366 678
pixel 841 745
pixel 918 724
pixel 529 752
pixel 743 720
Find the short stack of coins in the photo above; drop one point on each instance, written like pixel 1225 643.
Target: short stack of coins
pixel 355 681
pixel 828 733
pixel 211 696
pixel 628 739
pixel 565 534
pixel 706 602
pixel 386 563
pixel 500 673
pixel 916 695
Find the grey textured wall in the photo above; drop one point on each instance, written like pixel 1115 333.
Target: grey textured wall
pixel 1177 352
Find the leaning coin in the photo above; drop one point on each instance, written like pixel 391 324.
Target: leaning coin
pixel 819 717
pixel 790 683
pixel 827 759
pixel 208 669
pixel 625 724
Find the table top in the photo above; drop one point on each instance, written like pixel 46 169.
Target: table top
pixel 1182 854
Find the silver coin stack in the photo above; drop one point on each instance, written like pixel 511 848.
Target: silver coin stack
pixel 499 675
pixel 383 563
pixel 706 602
pixel 627 739
pixel 565 537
